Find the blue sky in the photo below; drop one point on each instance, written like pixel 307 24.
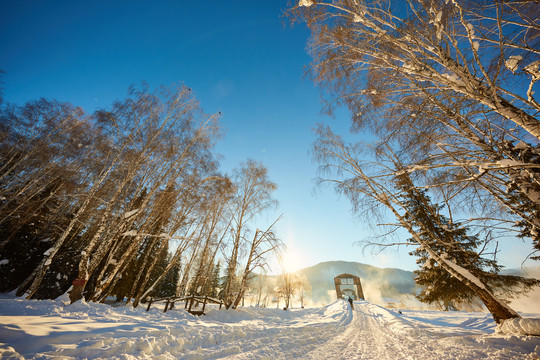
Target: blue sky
pixel 241 58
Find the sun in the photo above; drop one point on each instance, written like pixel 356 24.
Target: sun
pixel 292 260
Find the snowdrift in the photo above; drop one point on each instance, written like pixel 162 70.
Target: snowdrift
pixel 33 329
pixel 523 326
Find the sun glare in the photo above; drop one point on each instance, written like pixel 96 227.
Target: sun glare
pixel 292 260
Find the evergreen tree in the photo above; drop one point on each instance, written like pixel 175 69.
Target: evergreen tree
pixel 518 190
pixel 167 286
pixel 215 281
pixel 27 234
pixel 454 241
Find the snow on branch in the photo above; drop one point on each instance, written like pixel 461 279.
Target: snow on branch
pixel 162 235
pixel 306 3
pixel 463 272
pixel 131 213
pixel 512 62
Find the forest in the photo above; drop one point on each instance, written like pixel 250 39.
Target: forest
pixel 127 202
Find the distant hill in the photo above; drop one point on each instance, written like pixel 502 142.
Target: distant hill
pixel 385 285
pixel 380 285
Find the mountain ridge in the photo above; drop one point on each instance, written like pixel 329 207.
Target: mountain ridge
pixel 380 285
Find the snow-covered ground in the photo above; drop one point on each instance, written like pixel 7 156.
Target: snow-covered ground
pixel 52 330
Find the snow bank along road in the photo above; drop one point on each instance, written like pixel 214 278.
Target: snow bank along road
pixel 51 330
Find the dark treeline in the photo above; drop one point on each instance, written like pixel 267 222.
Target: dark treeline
pixel 126 202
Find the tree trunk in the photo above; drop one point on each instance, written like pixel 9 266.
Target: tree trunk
pixel 247 271
pixel 87 266
pixel 39 273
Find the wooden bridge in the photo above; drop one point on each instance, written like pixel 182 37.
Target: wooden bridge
pixel 192 303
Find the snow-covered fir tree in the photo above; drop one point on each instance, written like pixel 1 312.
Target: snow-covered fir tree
pixel 454 241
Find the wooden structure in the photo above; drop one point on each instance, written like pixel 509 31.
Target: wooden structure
pixel 348 285
pixel 192 303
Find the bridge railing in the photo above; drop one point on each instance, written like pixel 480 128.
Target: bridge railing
pixel 192 303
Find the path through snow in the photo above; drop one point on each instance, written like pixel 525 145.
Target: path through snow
pixel 378 333
pixel 51 330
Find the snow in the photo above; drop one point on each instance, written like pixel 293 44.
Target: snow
pixel 520 326
pixel 453 78
pixel 470 30
pixel 130 213
pixel 463 272
pixel 521 146
pixel 410 67
pixel 305 3
pixel 509 163
pixel 533 69
pixel 512 62
pixel 48 329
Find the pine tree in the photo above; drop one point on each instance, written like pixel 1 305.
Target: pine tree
pixel 519 190
pixel 27 235
pixel 167 286
pixel 215 281
pixel 454 241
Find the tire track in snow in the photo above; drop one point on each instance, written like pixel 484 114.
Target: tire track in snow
pixel 377 333
pixel 366 337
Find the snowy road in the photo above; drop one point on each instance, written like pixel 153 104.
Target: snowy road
pixel 378 333
pixel 50 330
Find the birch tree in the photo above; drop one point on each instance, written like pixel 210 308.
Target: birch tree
pixel 263 245
pixel 42 147
pixel 108 184
pixel 371 187
pixel 162 137
pixel 253 196
pixel 452 81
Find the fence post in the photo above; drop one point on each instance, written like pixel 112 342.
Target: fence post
pixel 191 303
pixel 204 303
